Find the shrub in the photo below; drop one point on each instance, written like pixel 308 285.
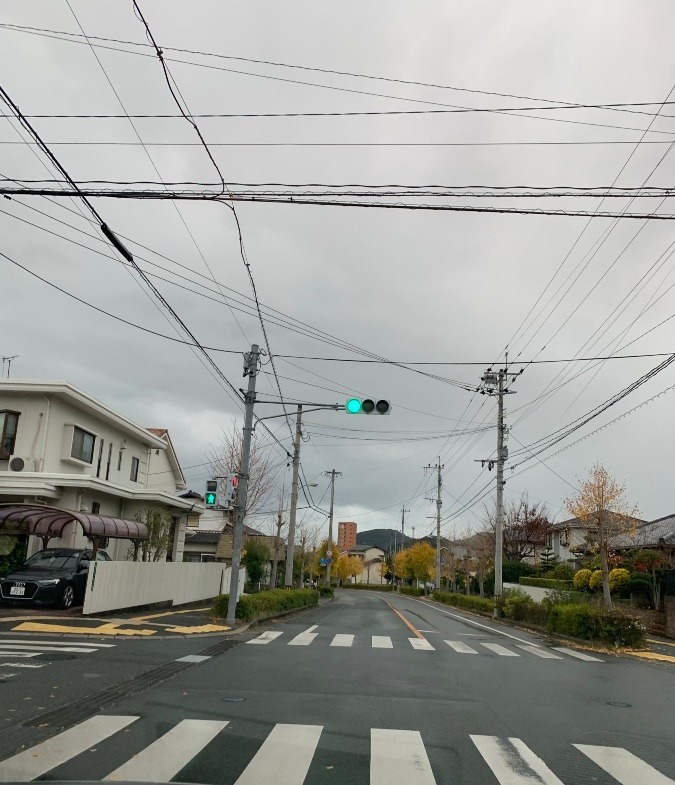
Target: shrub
pixel 253 606
pixel 512 571
pixel 465 601
pixel 618 578
pixel 326 591
pixel 368 586
pixel 592 623
pixel 546 583
pixel 412 591
pixel 595 582
pixel 581 580
pixel 563 572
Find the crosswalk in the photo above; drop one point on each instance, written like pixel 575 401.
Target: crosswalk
pixel 344 640
pixel 285 757
pixel 20 655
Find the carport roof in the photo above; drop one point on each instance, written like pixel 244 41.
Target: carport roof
pixel 50 522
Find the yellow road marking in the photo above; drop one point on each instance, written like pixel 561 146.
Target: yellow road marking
pixel 651 655
pixel 405 621
pixel 166 613
pixel 103 629
pixel 660 643
pixel 203 628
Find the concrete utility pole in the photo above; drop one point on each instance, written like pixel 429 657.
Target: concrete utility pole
pixel 290 547
pixel 329 553
pixel 439 502
pixel 499 517
pixel 275 563
pixel 403 512
pixel 250 370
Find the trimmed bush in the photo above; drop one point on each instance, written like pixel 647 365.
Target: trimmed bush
pixel 368 586
pixel 595 582
pixel 519 606
pixel 618 578
pixel 472 603
pixel 326 591
pixel 512 571
pixel 546 583
pixel 592 623
pixel 563 572
pixel 413 591
pixel 264 603
pixel 581 579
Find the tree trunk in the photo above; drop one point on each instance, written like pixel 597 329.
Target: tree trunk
pixel 604 566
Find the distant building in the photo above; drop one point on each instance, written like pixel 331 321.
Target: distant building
pixel 346 535
pixel 372 559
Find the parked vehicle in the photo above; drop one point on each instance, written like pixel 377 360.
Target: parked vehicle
pixel 54 576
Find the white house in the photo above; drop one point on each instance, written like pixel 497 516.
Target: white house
pixel 62 450
pixel 372 559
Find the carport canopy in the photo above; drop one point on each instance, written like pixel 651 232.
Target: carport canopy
pixel 48 522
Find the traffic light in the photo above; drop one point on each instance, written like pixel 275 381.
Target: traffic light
pixel 231 483
pixel 367 406
pixel 211 497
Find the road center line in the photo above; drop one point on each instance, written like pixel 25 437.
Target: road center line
pixel 405 621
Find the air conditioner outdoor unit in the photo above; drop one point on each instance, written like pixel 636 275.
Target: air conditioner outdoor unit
pixel 19 463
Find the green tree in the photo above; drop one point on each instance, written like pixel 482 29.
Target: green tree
pixel 653 564
pixel 256 557
pixel 159 523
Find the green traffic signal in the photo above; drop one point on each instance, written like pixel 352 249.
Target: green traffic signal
pixel 211 499
pixel 353 406
pixel 367 406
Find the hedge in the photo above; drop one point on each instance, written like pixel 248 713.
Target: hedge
pixel 264 603
pixel 326 591
pixel 546 583
pixel 465 601
pixel 413 591
pixel 368 586
pixel 591 623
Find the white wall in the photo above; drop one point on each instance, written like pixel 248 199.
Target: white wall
pixel 536 592
pixel 114 586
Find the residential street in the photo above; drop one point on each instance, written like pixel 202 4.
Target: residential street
pixel 357 691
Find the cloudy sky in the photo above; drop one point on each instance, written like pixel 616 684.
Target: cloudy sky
pixel 444 293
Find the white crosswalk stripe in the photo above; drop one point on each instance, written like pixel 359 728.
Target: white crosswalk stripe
pixel 461 648
pixel 397 757
pixel 421 644
pixel 578 654
pixel 342 640
pixel 500 650
pixel 543 653
pixel 382 642
pixel 303 639
pixel 625 767
pixel 266 637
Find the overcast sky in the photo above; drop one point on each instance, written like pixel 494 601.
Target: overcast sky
pixel 409 286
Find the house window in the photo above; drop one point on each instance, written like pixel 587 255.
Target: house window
pixel 83 445
pixel 8 425
pixel 133 476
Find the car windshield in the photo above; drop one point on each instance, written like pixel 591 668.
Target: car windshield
pixel 53 559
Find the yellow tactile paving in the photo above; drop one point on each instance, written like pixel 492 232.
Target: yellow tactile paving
pixel 103 629
pixel 137 619
pixel 202 628
pixel 651 655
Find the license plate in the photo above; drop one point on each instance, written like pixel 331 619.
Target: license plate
pixel 19 590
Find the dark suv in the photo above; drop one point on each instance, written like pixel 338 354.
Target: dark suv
pixel 55 576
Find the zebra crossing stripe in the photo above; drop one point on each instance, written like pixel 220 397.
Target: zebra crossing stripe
pixel 36 761
pixel 421 644
pixel 19 654
pixel 303 639
pixel 513 762
pixel 625 767
pixel 20 665
pixel 266 637
pixel 382 642
pixel 342 640
pixel 578 654
pixel 164 758
pixel 398 757
pixel 42 649
pixel 42 642
pixel 284 757
pixel 539 652
pixel 500 650
pixel 461 648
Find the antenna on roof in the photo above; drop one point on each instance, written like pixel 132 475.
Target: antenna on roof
pixel 8 360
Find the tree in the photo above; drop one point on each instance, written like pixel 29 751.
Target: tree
pixel 483 547
pixel 255 559
pixel 652 563
pixel 600 504
pixel 342 567
pixel 416 562
pixel 354 566
pixel 320 554
pixel 159 522
pixel 582 579
pixel 524 528
pixel 225 458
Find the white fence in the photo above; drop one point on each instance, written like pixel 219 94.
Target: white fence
pixel 536 592
pixel 117 585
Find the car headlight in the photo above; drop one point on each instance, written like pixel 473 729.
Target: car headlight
pixel 49 582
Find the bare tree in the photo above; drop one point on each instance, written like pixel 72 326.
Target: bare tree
pixel 525 527
pixel 264 466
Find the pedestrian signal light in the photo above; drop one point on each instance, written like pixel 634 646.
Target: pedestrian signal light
pixel 211 497
pixel 367 406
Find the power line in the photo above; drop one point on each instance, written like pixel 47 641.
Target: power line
pixel 529 143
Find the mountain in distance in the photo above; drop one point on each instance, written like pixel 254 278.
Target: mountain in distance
pixel 383 538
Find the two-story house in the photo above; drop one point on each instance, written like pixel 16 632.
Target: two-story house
pixel 62 449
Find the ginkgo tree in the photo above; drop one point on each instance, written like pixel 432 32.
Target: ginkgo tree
pixel 600 504
pixel 416 562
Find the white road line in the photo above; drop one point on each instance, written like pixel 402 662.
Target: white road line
pixel 312 628
pixel 546 655
pixel 303 639
pixel 196 658
pixel 38 760
pixel 497 649
pixel 266 637
pixel 20 665
pixel 471 621
pixel 342 640
pixel 514 763
pixel 41 648
pixel 624 766
pixel 164 758
pixel 284 757
pixel 382 642
pixel 398 757
pixel 19 654
pixel 42 642
pixel 579 655
pixel 461 647
pixel 421 644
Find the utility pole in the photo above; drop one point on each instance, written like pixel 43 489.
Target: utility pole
pixel 250 370
pixel 329 553
pixel 275 563
pixel 403 512
pixel 439 502
pixel 290 547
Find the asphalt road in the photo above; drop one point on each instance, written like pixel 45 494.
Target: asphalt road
pixel 361 691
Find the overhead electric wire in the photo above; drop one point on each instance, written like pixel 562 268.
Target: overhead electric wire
pixel 529 143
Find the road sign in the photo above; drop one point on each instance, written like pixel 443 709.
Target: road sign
pixel 322 562
pixel 329 560
pixel 329 554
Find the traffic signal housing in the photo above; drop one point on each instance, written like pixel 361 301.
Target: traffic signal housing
pixel 211 496
pixel 367 406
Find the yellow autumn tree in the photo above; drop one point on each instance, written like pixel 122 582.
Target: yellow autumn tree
pixel 601 506
pixel 416 562
pixel 342 567
pixel 354 566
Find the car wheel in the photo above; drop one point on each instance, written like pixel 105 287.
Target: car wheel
pixel 67 598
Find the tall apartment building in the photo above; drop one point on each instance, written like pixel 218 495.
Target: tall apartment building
pixel 346 535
